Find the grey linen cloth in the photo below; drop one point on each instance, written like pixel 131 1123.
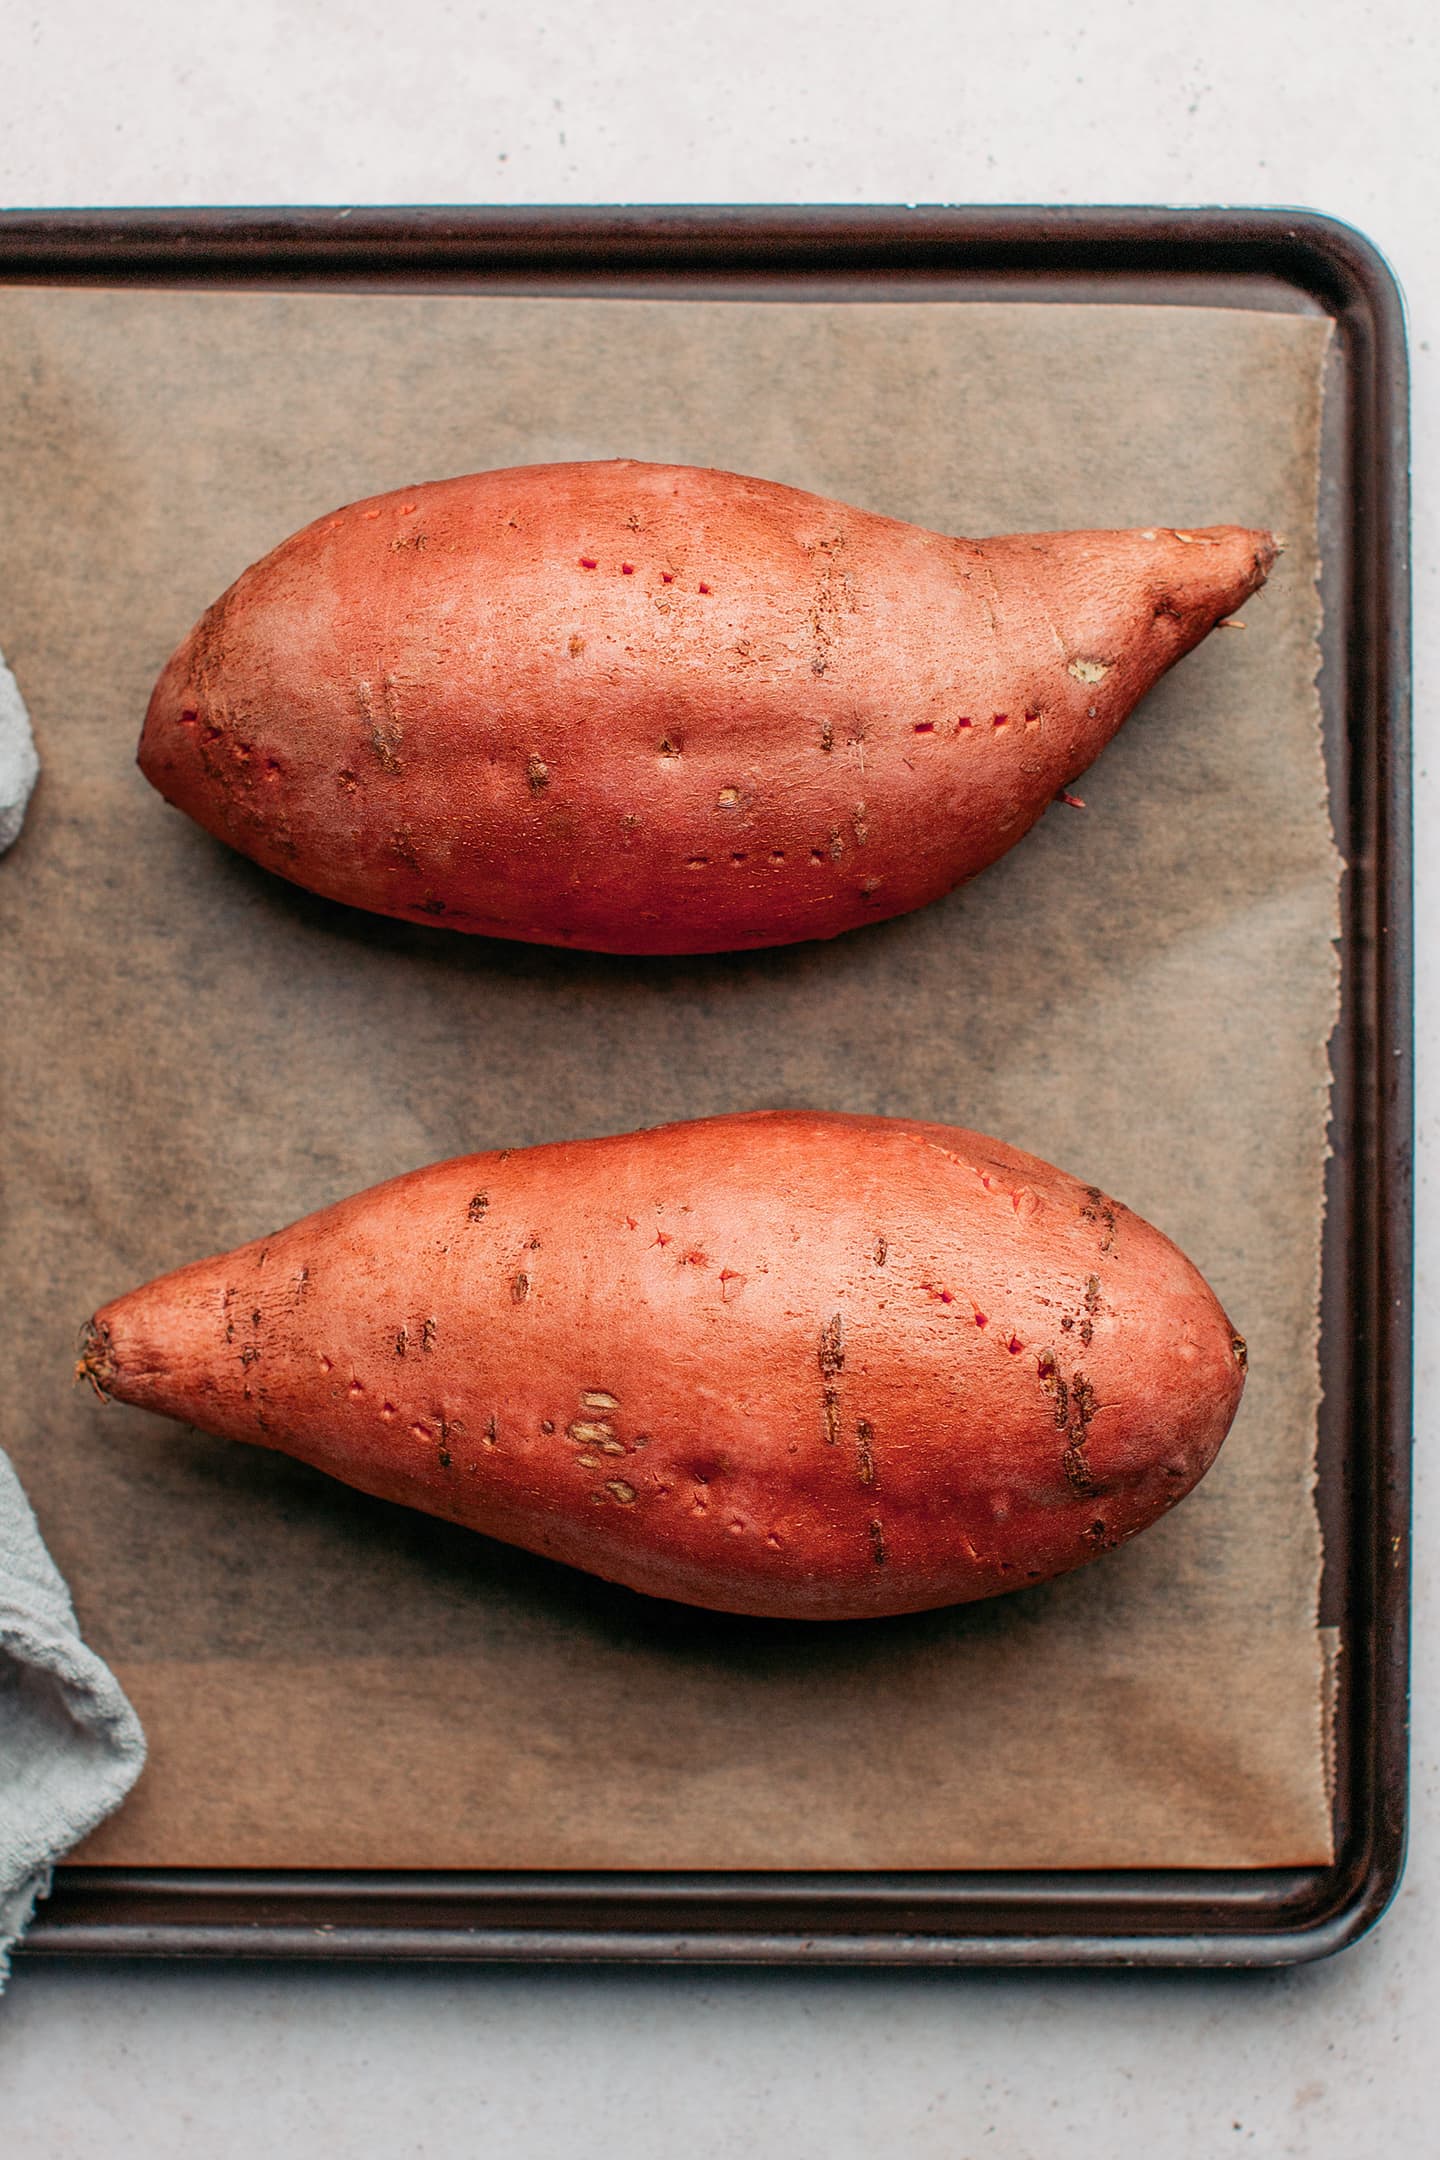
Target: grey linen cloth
pixel 19 766
pixel 70 1744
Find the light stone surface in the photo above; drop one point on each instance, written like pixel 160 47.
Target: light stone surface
pixel 1321 104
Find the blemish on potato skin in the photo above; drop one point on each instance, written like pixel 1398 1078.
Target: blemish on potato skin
pixel 385 733
pixel 520 1289
pixel 864 1451
pixel 1075 1406
pixel 832 1364
pixel 1091 1307
pixel 1100 1211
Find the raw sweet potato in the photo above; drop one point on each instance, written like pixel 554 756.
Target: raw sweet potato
pixel 788 1363
pixel 644 708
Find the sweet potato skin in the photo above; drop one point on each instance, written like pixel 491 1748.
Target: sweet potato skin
pixel 798 1364
pixel 643 708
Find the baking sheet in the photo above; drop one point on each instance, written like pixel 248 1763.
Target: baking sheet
pixel 194 1053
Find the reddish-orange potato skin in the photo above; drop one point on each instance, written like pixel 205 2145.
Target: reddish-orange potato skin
pixel 644 708
pixel 790 1363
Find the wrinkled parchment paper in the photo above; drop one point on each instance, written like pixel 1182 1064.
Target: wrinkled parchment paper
pixel 194 1053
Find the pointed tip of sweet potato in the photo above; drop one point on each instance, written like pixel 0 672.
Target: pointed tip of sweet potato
pixel 95 1364
pixel 1221 566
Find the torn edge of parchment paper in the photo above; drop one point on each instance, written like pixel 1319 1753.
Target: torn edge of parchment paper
pixel 1332 1650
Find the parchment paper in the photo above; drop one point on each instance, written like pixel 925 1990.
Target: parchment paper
pixel 195 1052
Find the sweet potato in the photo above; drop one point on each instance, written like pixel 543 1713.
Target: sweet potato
pixel 788 1363
pixel 643 708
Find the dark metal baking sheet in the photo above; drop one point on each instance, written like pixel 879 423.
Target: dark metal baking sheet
pixel 1267 259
